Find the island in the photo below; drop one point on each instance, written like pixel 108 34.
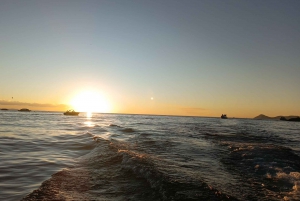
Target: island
pixel 281 117
pixel 24 110
pixel 291 119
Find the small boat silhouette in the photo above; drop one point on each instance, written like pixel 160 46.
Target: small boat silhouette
pixel 224 116
pixel 71 112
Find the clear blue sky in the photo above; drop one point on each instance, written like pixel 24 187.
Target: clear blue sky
pixel 193 57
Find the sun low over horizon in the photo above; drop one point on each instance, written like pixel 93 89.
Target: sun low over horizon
pixel 91 102
pixel 190 58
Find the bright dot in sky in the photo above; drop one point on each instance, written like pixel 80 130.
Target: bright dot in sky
pixel 151 98
pixel 90 101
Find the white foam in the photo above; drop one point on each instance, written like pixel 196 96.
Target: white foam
pixel 293 178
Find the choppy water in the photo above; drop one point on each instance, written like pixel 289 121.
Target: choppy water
pixel 49 156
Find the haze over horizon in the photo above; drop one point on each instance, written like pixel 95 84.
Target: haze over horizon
pixel 195 58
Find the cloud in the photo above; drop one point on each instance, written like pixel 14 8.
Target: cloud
pixel 17 103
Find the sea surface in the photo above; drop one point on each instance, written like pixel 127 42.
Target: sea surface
pixel 49 156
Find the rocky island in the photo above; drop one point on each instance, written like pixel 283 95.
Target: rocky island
pixel 281 117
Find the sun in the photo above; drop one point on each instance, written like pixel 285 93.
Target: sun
pixel 90 101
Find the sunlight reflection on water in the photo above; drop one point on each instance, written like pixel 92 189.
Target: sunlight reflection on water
pixel 89 115
pixel 89 124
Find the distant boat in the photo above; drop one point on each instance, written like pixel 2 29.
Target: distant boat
pixel 24 110
pixel 224 116
pixel 71 112
pixel 4 109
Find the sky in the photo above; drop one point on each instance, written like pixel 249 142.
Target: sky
pixel 166 57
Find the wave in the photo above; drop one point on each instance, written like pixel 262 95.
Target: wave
pixel 273 171
pixel 267 167
pixel 128 130
pixel 115 170
pixel 114 125
pixel 124 130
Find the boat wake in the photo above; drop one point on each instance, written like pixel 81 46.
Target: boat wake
pixel 116 171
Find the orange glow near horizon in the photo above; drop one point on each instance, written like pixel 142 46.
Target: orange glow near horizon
pixel 90 101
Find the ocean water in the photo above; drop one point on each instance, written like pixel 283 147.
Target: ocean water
pixel 49 156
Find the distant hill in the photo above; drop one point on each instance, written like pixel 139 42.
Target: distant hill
pixel 264 117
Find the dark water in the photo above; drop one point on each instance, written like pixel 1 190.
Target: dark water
pixel 49 156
